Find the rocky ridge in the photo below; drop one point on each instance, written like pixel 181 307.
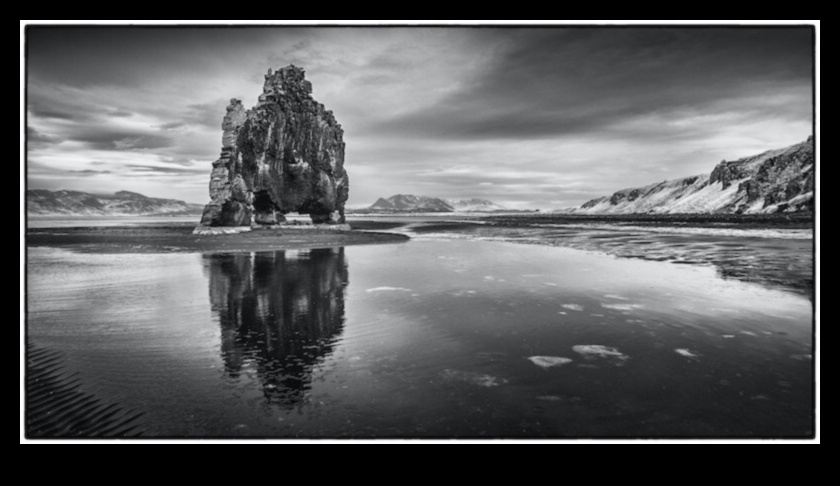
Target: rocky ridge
pixel 422 204
pixel 474 205
pixel 401 202
pixel 41 202
pixel 775 181
pixel 285 155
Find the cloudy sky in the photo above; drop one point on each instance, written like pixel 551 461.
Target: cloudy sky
pixel 526 117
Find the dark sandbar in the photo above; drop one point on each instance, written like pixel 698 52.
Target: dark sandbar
pixel 164 239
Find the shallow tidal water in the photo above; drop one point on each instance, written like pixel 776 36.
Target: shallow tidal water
pixel 431 338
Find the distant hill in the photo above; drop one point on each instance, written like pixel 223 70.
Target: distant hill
pixel 124 203
pixel 773 182
pixel 409 203
pixel 477 205
pixel 421 204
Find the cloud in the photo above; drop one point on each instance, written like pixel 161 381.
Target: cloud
pixel 207 114
pixel 45 169
pixel 157 127
pixel 102 139
pixel 560 83
pixel 131 57
pixel 172 126
pixel 182 161
pixel 120 114
pixel 156 169
pixel 60 103
pixel 40 139
pixel 48 109
pixel 90 172
pixel 494 175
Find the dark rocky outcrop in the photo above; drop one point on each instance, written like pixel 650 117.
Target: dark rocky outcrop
pixel 752 189
pixel 784 179
pixel 727 172
pixel 593 203
pixel 285 155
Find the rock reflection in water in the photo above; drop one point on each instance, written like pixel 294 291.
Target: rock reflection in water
pixel 280 314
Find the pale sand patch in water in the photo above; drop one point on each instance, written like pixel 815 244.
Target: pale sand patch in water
pixel 387 289
pixel 546 362
pixel 623 307
pixel 593 351
pixel 686 353
pixel 477 379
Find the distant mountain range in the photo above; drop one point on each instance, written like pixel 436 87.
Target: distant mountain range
pixel 421 204
pixel 775 181
pixel 124 203
pixel 477 205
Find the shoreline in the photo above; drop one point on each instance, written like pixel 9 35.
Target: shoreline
pixel 172 239
pixel 779 263
pixel 740 221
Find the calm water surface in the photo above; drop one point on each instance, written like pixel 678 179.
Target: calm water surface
pixel 436 338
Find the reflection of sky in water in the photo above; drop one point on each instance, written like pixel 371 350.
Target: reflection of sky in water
pixel 782 258
pixel 436 338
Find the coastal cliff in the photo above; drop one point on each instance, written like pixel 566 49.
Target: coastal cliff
pixel 776 181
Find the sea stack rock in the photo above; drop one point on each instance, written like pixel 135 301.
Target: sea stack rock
pixel 284 155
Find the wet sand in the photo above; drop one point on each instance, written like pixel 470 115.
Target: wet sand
pixel 741 221
pixel 157 239
pixel 774 251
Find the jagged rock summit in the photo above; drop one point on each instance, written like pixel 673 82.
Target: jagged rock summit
pixel 284 155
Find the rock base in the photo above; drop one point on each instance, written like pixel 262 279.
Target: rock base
pixel 321 227
pixel 232 230
pixel 220 230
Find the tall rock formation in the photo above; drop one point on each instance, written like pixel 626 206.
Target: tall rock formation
pixel 284 155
